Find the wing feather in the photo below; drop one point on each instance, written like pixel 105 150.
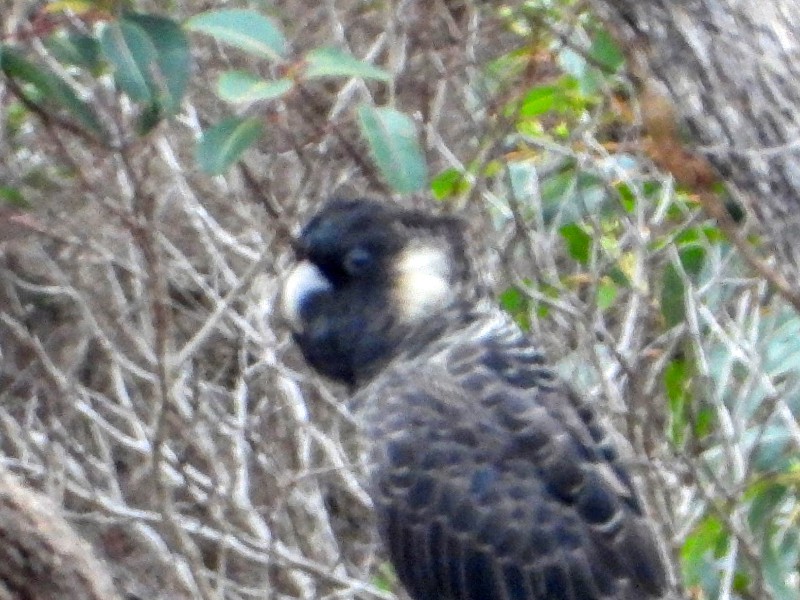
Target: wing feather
pixel 492 491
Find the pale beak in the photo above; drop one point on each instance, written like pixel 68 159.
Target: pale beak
pixel 304 281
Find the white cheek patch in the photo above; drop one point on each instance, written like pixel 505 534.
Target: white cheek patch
pixel 304 280
pixel 422 282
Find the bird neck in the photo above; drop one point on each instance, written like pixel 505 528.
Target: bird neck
pixel 412 341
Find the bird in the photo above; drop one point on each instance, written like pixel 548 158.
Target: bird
pixel 491 478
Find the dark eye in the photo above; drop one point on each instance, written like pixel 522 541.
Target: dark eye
pixel 357 261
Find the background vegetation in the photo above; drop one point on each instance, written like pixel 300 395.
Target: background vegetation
pixel 156 158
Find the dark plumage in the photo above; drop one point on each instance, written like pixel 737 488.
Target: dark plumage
pixel 491 478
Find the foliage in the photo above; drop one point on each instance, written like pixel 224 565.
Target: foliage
pixel 149 56
pixel 726 352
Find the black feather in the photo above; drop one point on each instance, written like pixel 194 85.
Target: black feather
pixel 491 478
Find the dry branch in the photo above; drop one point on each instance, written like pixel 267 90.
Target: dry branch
pixel 41 556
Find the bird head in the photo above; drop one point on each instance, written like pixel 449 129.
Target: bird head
pixel 369 277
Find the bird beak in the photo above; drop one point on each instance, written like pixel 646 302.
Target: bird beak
pixel 305 281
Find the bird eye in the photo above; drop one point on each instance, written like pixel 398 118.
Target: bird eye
pixel 357 261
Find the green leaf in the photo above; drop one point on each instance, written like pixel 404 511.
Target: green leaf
pixel 332 62
pixel 540 100
pixel 579 242
pixel 693 258
pixel 606 293
pixel 618 276
pixel 172 59
pixel 568 195
pixel 246 29
pixel 79 7
pixel 672 297
pixel 149 118
pixel 705 422
pixel 605 51
pixel 385 578
pixel 688 236
pixel 626 197
pixel 706 540
pixel 779 567
pixel 676 383
pixel 392 139
pixel 587 77
pixel 516 304
pixel 11 196
pixel 449 183
pixel 766 496
pixel 132 53
pixel 49 88
pixel 780 344
pixel 151 60
pixel 240 86
pixel 773 450
pixel 225 142
pixel 75 49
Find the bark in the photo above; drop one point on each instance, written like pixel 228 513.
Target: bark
pixel 731 68
pixel 41 557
